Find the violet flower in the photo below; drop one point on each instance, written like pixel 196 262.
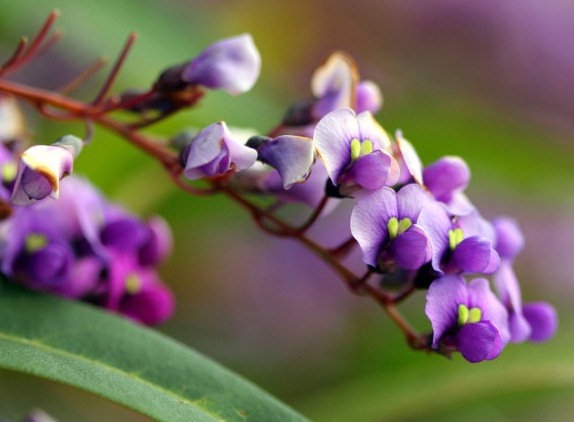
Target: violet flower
pixel 467 317
pixel 384 223
pixel 232 64
pixel 446 179
pixel 533 321
pixel 354 149
pixel 213 152
pixel 459 247
pixel 291 156
pixel 42 167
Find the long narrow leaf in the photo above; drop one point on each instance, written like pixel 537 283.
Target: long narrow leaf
pixel 131 365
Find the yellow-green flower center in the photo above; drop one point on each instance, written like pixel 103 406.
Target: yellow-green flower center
pixel 454 238
pixel 396 227
pixel 35 242
pixel 360 148
pixel 9 171
pixel 133 284
pixel 468 316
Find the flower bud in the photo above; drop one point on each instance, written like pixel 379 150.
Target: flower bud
pixel 41 168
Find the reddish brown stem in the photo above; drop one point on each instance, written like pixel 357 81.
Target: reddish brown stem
pixel 82 77
pixel 116 69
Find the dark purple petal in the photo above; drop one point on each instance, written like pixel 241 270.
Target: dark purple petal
pixel 35 185
pixel 509 238
pixel 232 64
pixel 46 268
pixel 443 298
pixel 369 221
pixel 125 234
pixel 371 171
pixel 292 156
pixel 158 243
pixel 411 249
pixel 543 320
pixel 474 255
pixel 445 177
pixel 151 305
pixel 479 341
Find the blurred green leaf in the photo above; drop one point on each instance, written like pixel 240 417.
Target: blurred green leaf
pixel 81 346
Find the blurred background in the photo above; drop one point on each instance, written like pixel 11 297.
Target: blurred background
pixel 491 81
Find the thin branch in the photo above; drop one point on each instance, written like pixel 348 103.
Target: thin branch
pixel 73 84
pixel 115 70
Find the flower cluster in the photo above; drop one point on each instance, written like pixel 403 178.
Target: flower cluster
pixel 413 223
pixel 62 236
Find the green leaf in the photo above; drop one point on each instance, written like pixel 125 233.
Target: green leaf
pixel 82 346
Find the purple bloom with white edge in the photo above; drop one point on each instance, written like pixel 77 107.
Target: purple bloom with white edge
pixel 354 149
pixel 213 152
pixel 533 321
pixel 384 223
pixel 232 65
pixel 334 83
pixel 446 179
pixel 467 317
pixel 463 246
pixel 291 156
pixel 41 168
pixel 409 162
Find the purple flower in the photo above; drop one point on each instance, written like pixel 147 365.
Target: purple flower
pixel 446 179
pixel 461 246
pixel 232 65
pixel 291 156
pixel 333 84
pixel 385 225
pixel 213 152
pixel 369 97
pixel 354 151
pixel 467 317
pixel 42 167
pixel 534 321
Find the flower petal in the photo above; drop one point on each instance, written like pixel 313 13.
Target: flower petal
pixel 543 320
pixel 372 171
pixel 479 341
pixel 412 248
pixel 474 255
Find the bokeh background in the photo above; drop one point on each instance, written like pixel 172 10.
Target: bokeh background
pixel 491 81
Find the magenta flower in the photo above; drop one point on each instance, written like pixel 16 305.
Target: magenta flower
pixel 232 65
pixel 354 149
pixel 213 152
pixel 385 225
pixel 467 317
pixel 42 167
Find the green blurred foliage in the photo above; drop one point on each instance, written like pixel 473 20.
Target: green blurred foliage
pixel 360 370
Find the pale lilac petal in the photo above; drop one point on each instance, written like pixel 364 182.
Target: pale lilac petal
pixel 292 156
pixel 332 138
pixel 436 223
pixel 369 221
pixel 240 156
pixel 410 159
pixel 370 129
pixel 333 84
pixel 507 286
pixel 519 327
pixel 509 238
pixel 411 199
pixel 479 341
pixel 473 224
pixel 411 249
pixel 369 97
pixel 481 296
pixel 543 320
pixel 460 205
pixel 232 64
pixel 371 171
pixel 443 297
